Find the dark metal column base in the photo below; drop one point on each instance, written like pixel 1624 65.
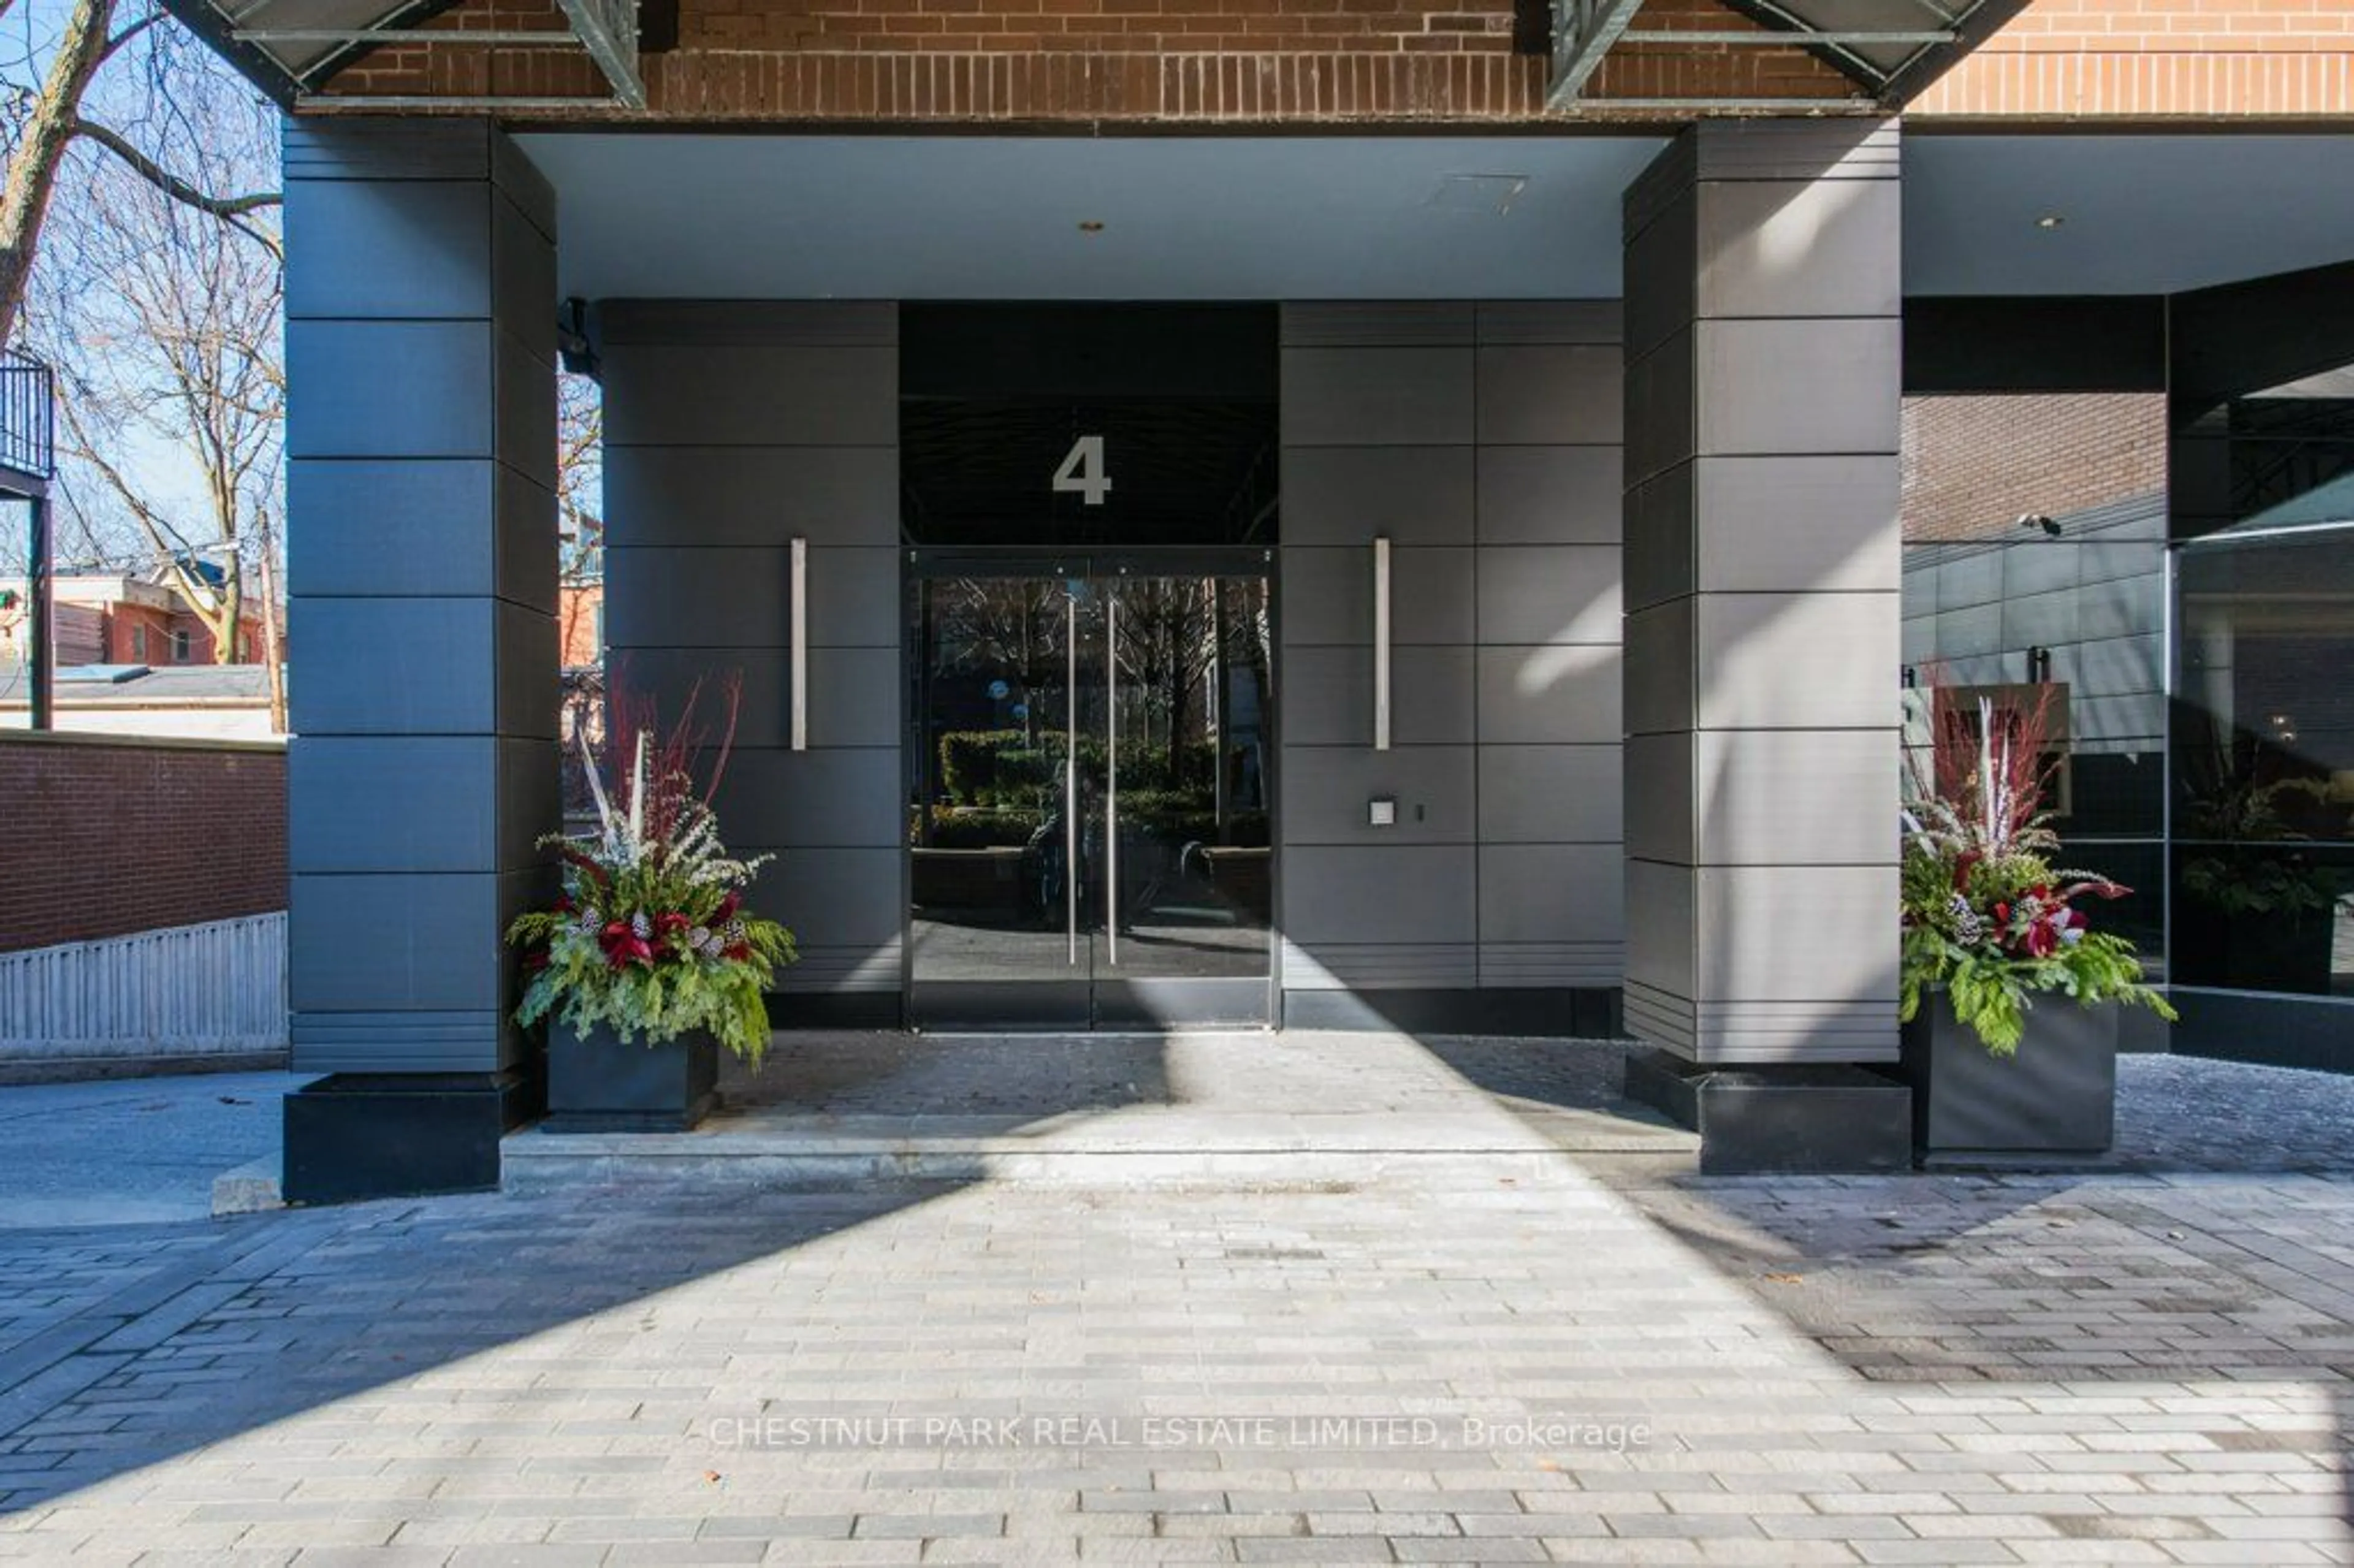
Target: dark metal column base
pixel 1821 1119
pixel 354 1135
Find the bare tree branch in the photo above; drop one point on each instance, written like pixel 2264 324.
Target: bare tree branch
pixel 230 210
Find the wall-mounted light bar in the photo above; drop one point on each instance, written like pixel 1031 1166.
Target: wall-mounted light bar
pixel 1381 643
pixel 800 644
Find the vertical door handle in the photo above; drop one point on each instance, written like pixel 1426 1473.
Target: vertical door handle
pixel 1071 777
pixel 1381 643
pixel 799 654
pixel 1111 776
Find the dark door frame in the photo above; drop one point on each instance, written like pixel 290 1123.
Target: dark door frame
pixel 1016 1006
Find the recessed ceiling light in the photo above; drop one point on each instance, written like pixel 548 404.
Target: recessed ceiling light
pixel 2049 221
pixel 1091 226
pixel 1479 192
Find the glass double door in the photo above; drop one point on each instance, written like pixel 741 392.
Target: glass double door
pixel 1088 788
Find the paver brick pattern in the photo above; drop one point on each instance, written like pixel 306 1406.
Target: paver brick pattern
pixel 1606 1364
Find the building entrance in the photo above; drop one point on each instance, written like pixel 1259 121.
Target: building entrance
pixel 1090 502
pixel 1091 775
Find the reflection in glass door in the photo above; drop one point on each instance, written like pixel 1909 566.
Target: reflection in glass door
pixel 1088 795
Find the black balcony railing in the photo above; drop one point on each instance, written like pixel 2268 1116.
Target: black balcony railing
pixel 27 415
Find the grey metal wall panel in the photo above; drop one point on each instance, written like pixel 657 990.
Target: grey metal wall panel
pixel 1745 371
pixel 697 598
pixel 1548 495
pixel 1327 597
pixel 1795 797
pixel 1345 324
pixel 853 692
pixel 1566 694
pixel 402 1040
pixel 1662 929
pixel 380 148
pixel 525 405
pixel 1551 892
pixel 392 804
pixel 1843 952
pixel 789 324
pixel 1549 593
pixel 1662 423
pixel 390 388
pixel 1325 967
pixel 1377 396
pixel 392 527
pixel 1661 693
pixel 1788 661
pixel 1350 495
pixel 381 943
pixel 1970 581
pixel 1795 524
pixel 523 278
pixel 388 250
pixel 1528 965
pixel 1550 395
pixel 1549 321
pixel 1660 543
pixel 392 666
pixel 1828 248
pixel 698 495
pixel 2035 564
pixel 1550 794
pixel 1327 791
pixel 1664 253
pixel 840 797
pixel 829 895
pixel 725 395
pixel 1402 894
pixel 525 545
pixel 1661 787
pixel 2040 619
pixel 1328 696
pixel 526 682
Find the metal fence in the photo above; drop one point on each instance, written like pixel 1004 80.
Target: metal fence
pixel 217 987
pixel 27 414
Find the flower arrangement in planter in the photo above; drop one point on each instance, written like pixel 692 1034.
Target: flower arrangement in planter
pixel 649 961
pixel 1990 925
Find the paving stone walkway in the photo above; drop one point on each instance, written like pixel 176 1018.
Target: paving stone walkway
pixel 1582 1365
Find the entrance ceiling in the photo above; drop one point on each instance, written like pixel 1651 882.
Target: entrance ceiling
pixel 1327 217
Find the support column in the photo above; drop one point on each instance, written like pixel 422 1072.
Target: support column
pixel 1762 564
pixel 421 575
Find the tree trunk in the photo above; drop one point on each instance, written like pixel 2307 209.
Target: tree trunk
pixel 48 132
pixel 273 665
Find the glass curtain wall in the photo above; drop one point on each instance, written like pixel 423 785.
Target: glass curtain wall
pixel 2034 577
pixel 2262 859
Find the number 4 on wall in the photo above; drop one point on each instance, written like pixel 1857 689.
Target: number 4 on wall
pixel 1083 472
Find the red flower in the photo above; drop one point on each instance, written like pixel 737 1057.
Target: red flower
pixel 2043 940
pixel 1963 863
pixel 672 925
pixel 534 960
pixel 726 910
pixel 738 951
pixel 624 947
pixel 564 904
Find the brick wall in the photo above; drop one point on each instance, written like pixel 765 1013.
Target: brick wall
pixel 2156 59
pixel 104 837
pixel 1352 60
pixel 1973 465
pixel 1045 61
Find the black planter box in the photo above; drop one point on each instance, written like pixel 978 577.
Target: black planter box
pixel 2057 1096
pixel 598 1083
